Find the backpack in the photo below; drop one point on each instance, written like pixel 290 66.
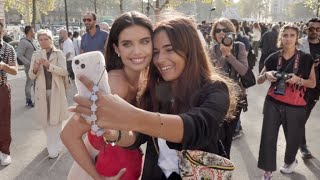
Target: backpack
pixel 247 80
pixel 252 59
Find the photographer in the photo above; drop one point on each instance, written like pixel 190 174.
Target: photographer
pixel 311 44
pixel 290 72
pixel 233 64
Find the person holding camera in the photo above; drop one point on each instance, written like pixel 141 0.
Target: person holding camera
pixel 311 44
pixel 290 72
pixel 231 58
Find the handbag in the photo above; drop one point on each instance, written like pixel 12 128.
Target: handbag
pixel 248 80
pixel 198 165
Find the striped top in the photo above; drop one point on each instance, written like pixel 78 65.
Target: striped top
pixel 8 56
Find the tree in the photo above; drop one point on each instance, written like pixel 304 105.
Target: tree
pixel 298 11
pixel 313 4
pixel 28 8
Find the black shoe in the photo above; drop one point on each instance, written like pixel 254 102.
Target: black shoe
pixel 29 103
pixel 306 154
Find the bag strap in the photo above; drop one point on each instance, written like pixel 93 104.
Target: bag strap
pixel 195 162
pixel 296 62
pixel 155 145
pixel 31 43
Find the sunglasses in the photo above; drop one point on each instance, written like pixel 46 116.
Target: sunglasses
pixel 84 20
pixel 219 30
pixel 314 29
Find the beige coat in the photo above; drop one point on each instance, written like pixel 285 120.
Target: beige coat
pixel 58 106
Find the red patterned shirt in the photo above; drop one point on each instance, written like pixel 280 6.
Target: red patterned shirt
pixel 8 56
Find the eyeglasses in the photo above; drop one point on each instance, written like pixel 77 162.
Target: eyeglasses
pixel 219 30
pixel 314 29
pixel 84 20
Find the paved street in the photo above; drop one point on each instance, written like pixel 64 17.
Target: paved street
pixel 30 158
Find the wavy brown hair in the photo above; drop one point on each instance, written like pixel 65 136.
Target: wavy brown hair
pixel 198 71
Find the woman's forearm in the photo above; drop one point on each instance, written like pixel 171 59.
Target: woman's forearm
pixel 165 126
pixel 71 136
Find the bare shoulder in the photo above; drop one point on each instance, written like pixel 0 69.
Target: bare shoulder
pixel 118 83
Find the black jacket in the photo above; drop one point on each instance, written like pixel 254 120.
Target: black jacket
pixel 201 124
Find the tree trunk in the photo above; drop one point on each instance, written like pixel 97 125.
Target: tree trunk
pixel 121 6
pixel 34 14
pixel 95 6
pixel 66 14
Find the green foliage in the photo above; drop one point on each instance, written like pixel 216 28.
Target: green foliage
pixel 24 7
pixel 312 4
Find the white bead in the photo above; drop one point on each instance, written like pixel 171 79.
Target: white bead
pixel 94 127
pixel 93 117
pixel 95 88
pixel 94 107
pixel 100 132
pixel 93 97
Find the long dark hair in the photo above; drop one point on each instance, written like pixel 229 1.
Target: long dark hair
pixel 198 70
pixel 122 22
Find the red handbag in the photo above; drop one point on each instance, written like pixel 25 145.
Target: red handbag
pixel 111 159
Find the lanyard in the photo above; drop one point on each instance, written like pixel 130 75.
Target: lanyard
pixel 296 62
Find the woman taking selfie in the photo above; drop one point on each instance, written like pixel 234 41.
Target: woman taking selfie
pixel 290 72
pixel 191 97
pixel 127 58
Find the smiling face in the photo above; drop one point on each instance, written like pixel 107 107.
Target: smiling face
pixel 168 62
pixel 134 47
pixel 89 21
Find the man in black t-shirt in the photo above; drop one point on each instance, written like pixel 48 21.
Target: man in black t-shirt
pixel 311 45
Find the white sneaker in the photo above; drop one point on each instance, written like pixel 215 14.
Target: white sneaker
pixel 289 168
pixel 5 159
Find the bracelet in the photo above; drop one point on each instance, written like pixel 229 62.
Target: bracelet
pixel 301 82
pixel 113 143
pixel 161 125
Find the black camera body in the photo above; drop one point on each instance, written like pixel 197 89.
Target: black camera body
pixel 228 39
pixel 281 86
pixel 316 58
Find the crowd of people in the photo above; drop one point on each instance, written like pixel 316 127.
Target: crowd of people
pixel 175 85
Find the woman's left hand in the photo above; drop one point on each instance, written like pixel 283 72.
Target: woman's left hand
pixel 44 62
pixel 112 111
pixel 294 79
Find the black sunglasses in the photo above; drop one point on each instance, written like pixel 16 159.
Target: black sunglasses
pixel 219 30
pixel 84 20
pixel 314 29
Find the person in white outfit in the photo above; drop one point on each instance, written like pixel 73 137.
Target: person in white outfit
pixel 48 68
pixel 256 36
pixel 68 50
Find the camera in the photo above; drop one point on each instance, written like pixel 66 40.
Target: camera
pixel 281 86
pixel 228 39
pixel 316 58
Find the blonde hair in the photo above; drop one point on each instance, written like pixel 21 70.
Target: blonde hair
pixel 285 27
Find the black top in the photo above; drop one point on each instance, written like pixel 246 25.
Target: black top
pixel 304 68
pixel 268 42
pixel 201 126
pixel 315 52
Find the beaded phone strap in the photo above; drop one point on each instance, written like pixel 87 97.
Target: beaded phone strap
pixel 93 117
